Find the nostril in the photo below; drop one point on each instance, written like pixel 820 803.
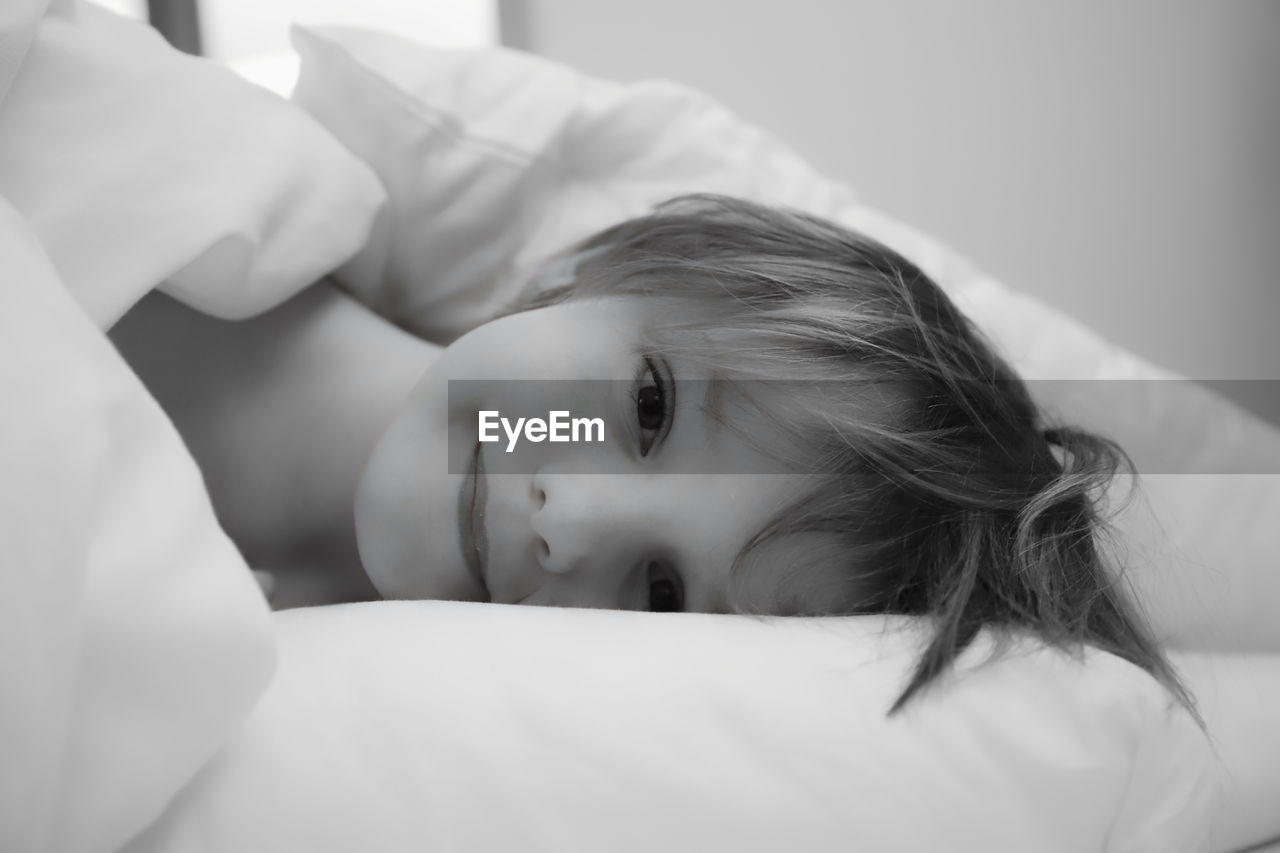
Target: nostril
pixel 544 550
pixel 539 497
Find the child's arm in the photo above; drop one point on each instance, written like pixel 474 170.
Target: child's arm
pixel 1239 696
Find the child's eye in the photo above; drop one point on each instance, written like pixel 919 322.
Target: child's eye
pixel 666 592
pixel 653 405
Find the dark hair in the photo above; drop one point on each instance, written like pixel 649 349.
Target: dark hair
pixel 949 495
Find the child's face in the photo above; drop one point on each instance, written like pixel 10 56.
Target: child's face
pixel 614 525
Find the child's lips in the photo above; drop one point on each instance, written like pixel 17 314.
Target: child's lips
pixel 473 537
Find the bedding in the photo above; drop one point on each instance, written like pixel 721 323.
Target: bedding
pixel 133 639
pixel 468 727
pixel 150 702
pixel 108 136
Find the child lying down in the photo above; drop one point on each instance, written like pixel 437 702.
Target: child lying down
pixel 800 422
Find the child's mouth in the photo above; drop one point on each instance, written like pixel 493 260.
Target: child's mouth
pixel 472 536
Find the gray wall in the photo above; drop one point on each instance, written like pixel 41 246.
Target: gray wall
pixel 1117 158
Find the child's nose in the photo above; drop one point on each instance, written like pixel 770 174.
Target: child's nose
pixel 588 522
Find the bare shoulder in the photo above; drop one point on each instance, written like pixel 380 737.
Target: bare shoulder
pixel 177 350
pixel 280 412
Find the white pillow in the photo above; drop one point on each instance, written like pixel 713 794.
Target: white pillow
pixel 495 160
pixel 466 727
pixel 136 164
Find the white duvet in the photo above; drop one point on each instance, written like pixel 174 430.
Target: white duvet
pixel 132 637
pixel 140 703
